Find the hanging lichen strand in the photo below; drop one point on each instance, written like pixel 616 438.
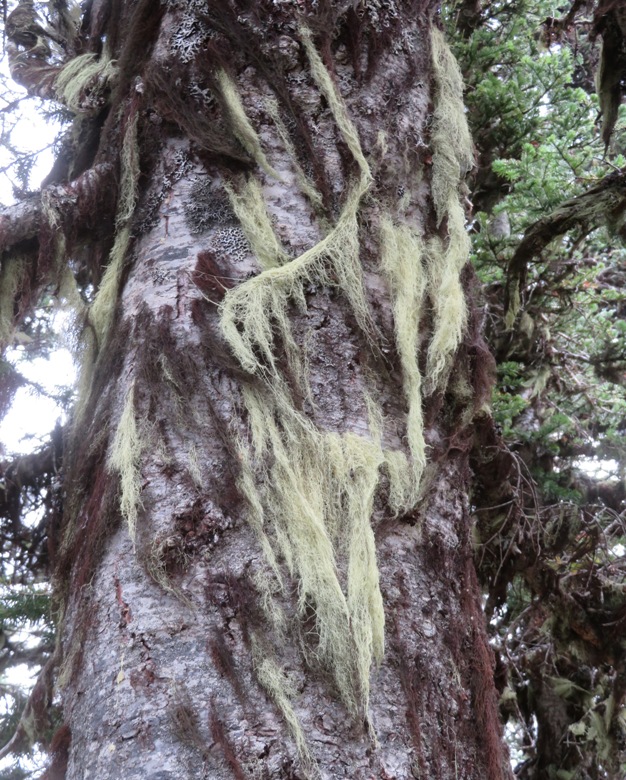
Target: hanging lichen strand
pixel 311 492
pixel 452 159
pixel 124 457
pixel 82 82
pixel 101 311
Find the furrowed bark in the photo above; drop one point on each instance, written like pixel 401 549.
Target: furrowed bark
pixel 267 478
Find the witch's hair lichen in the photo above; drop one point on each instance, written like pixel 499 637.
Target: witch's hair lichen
pixel 402 263
pixel 311 492
pixel 125 457
pixel 453 153
pixel 103 306
pixel 306 185
pixel 452 159
pixel 316 507
pixel 445 261
pixel 81 83
pixel 278 688
pixel 241 125
pixel 249 206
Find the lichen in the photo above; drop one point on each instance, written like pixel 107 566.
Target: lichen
pixel 207 206
pixel 316 504
pixel 241 125
pixel 311 492
pixel 249 206
pixel 452 159
pixel 306 185
pixel 402 263
pixel 83 82
pixel 445 261
pixel 124 457
pixel 12 275
pixel 451 140
pixel 279 689
pixel 103 306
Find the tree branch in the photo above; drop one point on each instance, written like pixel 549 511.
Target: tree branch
pixel 22 221
pixel 604 203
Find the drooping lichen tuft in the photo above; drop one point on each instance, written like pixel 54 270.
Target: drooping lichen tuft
pixel 311 492
pixel 306 185
pixel 82 83
pixel 249 206
pixel 402 253
pixel 451 141
pixel 279 689
pixel 445 261
pixel 241 125
pixel 124 457
pixel 315 506
pixel 101 311
pixel 452 159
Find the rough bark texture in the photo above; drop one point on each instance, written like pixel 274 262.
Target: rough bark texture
pixel 189 645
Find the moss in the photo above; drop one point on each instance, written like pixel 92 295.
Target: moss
pixel 124 457
pixel 129 166
pixel 311 501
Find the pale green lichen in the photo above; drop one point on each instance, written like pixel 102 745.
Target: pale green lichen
pixel 124 458
pixel 304 182
pixel 445 261
pixel 164 554
pixel 311 502
pixel 254 312
pixel 452 158
pixel 241 125
pixel 84 74
pixel 311 492
pixel 314 508
pixel 249 206
pixel 281 691
pixel 323 80
pixel 402 262
pixel 451 140
pixel 103 306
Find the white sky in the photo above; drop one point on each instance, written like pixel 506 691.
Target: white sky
pixel 33 415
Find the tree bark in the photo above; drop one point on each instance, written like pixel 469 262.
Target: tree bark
pixel 282 336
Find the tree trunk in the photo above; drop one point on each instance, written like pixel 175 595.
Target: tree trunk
pixel 265 565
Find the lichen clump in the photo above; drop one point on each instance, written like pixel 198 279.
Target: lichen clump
pixel 311 492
